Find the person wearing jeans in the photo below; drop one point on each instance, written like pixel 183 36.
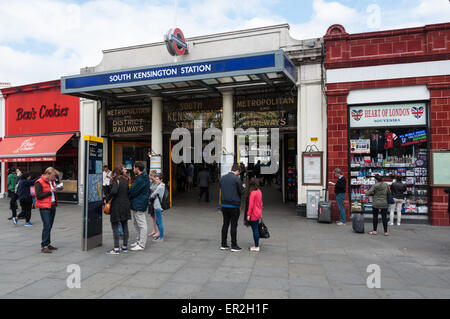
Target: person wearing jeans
pixel 231 192
pixel 157 197
pixel 254 211
pixel 340 190
pixel 46 201
pixel 139 194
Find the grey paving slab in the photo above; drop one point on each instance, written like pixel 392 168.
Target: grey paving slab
pixel 173 290
pixel 231 274
pixel 354 292
pixel 305 292
pixel 44 288
pixel 129 293
pixel 318 281
pixel 146 279
pixel 222 290
pixel 258 293
pixel 268 282
pixel 191 275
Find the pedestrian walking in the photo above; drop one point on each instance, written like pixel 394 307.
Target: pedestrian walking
pixel 340 188
pixel 380 203
pixel 24 196
pixel 203 182
pixel 46 201
pixel 254 210
pixel 398 190
pixel 138 195
pixel 232 190
pixel 157 196
pixel 151 209
pixel 120 210
pixel 11 187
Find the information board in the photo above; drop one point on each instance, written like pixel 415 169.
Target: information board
pixel 93 194
pixel 440 168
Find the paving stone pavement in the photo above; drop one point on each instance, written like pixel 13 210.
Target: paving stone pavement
pixel 302 259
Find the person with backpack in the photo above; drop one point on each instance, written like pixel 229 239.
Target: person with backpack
pixel 24 195
pixel 158 203
pixel 254 210
pixel 120 210
pixel 380 203
pixel 398 190
pixel 138 195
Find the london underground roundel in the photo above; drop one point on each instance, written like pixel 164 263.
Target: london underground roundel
pixel 175 42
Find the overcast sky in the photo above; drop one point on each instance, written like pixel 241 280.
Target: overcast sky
pixel 42 40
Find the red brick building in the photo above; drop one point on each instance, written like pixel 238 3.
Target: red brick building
pixel 388 97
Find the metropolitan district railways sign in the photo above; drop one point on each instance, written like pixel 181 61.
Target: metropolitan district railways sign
pixel 388 115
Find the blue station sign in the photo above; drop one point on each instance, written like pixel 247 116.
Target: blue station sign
pixel 275 61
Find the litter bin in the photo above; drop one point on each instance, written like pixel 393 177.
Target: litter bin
pixel 301 210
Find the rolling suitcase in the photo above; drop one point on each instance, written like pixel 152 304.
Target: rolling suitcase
pixel 324 215
pixel 358 223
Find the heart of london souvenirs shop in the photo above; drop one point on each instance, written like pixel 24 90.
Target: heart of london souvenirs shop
pixel 390 140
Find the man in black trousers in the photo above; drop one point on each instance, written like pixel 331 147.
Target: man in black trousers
pixel 232 190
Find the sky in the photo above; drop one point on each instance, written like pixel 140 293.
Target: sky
pixel 42 40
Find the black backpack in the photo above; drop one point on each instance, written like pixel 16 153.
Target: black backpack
pixel 165 201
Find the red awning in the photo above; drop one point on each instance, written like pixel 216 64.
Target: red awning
pixel 38 148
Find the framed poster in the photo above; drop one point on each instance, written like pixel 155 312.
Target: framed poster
pixel 312 168
pixel 440 168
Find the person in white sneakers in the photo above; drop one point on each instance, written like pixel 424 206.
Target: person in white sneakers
pixel 254 211
pixel 398 190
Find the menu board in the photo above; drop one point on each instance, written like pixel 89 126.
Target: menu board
pixel 312 169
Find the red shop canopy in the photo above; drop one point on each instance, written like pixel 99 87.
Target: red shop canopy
pixel 37 148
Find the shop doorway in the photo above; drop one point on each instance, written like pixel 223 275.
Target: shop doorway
pixel 128 153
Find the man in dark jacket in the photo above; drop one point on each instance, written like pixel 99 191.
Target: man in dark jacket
pixel 139 194
pixel 231 192
pixel 398 190
pixel 340 189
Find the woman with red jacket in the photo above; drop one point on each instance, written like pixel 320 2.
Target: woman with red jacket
pixel 254 211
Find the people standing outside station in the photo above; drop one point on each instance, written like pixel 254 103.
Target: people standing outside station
pixel 232 190
pixel 203 183
pixel 380 204
pixel 11 187
pixel 126 176
pixel 138 195
pixel 398 190
pixel 120 210
pixel 107 178
pixel 242 171
pixel 257 170
pixel 46 201
pixel 24 196
pixel 254 211
pixel 157 197
pixel 151 208
pixel 340 190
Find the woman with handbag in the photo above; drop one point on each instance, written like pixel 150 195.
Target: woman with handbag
pixel 380 203
pixel 120 210
pixel 254 211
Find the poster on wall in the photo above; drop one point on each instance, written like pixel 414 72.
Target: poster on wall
pixel 361 146
pixel 312 169
pixel 388 115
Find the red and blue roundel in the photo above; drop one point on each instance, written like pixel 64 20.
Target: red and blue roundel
pixel 417 111
pixel 357 114
pixel 175 42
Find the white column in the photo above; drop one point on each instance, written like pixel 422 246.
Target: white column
pixel 157 133
pixel 227 131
